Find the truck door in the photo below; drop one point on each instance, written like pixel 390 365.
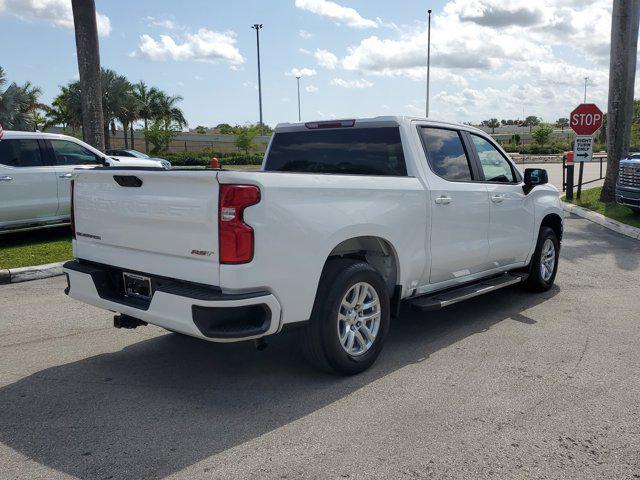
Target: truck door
pixel 459 227
pixel 68 157
pixel 28 190
pixel 512 212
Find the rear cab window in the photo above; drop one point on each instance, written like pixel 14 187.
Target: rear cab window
pixel 20 153
pixel 446 154
pixel 349 151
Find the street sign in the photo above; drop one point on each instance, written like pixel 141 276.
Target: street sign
pixel 583 148
pixel 586 119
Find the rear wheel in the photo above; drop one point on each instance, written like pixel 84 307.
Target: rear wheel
pixel 544 263
pixel 350 318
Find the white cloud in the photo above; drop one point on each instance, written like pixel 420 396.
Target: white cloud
pixel 301 72
pixel 362 83
pixel 305 51
pixel 326 59
pixel 343 15
pixel 311 88
pixel 162 23
pixel 203 46
pixel 56 12
pixel 304 34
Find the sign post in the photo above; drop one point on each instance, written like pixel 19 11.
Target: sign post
pixel 585 120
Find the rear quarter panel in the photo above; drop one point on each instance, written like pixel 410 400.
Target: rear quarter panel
pixel 301 218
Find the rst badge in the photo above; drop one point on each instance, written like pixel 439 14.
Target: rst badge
pixel 202 253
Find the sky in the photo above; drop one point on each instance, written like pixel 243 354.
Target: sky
pixel 357 58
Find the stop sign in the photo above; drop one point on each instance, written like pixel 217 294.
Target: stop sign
pixel 586 119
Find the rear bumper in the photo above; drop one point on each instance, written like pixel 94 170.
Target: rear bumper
pixel 192 309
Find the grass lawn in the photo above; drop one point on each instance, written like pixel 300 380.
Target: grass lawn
pixel 591 200
pixel 240 167
pixel 37 247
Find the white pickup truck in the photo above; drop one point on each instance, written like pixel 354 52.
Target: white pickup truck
pixel 345 220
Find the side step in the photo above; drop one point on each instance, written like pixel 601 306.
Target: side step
pixel 435 301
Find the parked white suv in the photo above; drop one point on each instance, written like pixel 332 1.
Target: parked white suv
pixel 347 219
pixel 35 171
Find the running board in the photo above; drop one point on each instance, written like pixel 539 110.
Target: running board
pixel 435 301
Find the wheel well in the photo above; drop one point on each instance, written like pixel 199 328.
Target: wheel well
pixel 376 251
pixel 554 222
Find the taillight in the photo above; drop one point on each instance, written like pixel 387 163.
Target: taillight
pixel 235 236
pixel 73 220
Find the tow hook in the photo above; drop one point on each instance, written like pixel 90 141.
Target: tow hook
pixel 260 344
pixel 125 321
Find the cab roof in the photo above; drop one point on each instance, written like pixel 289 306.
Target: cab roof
pixel 388 120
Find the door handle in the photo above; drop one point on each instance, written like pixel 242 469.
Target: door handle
pixel 66 175
pixel 443 200
pixel 497 198
pixel 6 178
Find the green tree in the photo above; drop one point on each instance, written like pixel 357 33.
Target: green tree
pixel 531 121
pixel 562 123
pixel 224 129
pixel 542 133
pixel 244 140
pixel 493 123
pixel 167 109
pixel 17 104
pixel 160 134
pixel 66 110
pixel 147 98
pixel 201 130
pixel 115 89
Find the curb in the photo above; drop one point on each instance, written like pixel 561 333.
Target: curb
pixel 24 274
pixel 600 219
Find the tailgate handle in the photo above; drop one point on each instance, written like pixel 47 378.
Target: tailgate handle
pixel 127 180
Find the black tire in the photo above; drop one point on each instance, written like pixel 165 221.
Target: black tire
pixel 320 339
pixel 536 282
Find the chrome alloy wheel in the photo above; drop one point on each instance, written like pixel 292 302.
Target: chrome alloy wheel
pixel 547 259
pixel 359 319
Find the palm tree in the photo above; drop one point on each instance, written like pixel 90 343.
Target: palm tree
pixel 66 109
pixel 169 111
pixel 88 50
pixel 16 103
pixel 147 99
pixel 114 91
pixel 129 114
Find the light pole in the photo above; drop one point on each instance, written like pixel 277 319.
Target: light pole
pixel 257 27
pixel 299 116
pixel 428 60
pixel 586 79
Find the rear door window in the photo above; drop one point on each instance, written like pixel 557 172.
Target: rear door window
pixel 70 153
pixel 20 153
pixel 446 154
pixel 356 151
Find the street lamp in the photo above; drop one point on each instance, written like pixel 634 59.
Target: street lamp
pixel 257 27
pixel 428 60
pixel 586 79
pixel 299 116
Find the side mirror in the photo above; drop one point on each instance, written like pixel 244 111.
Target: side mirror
pixel 534 177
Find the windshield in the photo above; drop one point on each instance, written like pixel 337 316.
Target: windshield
pixel 138 154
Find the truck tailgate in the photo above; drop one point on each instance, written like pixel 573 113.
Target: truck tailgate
pixel 159 222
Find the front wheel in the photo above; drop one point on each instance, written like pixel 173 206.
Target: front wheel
pixel 350 318
pixel 544 263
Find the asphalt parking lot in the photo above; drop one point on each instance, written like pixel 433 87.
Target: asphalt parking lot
pixel 511 385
